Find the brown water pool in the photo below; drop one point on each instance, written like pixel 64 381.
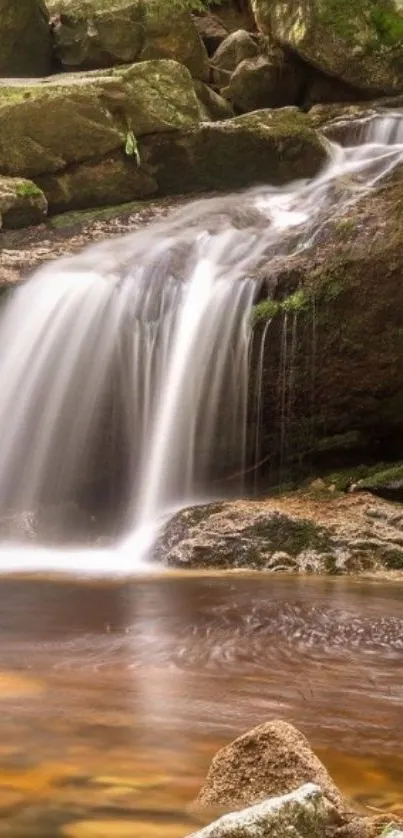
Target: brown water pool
pixel 115 696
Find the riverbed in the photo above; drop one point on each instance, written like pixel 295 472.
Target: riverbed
pixel 114 695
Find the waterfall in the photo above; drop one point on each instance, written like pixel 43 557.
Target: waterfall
pixel 162 317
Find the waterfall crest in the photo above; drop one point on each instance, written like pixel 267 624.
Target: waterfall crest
pixel 163 315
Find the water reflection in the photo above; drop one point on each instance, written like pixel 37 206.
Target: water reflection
pixel 141 682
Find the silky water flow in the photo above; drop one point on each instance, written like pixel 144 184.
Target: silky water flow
pixel 166 314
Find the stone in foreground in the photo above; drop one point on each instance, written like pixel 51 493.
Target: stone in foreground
pixel 304 813
pixel 272 759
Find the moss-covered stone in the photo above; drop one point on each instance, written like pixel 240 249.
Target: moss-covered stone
pixel 266 146
pixel 25 39
pixel 236 48
pixel 97 33
pixel 112 180
pixel 265 81
pixel 172 33
pixel 102 33
pixel 357 41
pixel 213 106
pixel 91 114
pixel 22 203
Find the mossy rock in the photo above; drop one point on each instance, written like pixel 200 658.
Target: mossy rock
pixel 115 179
pixel 91 114
pixel 357 41
pixel 22 203
pixel 172 33
pixel 266 146
pixel 26 47
pixel 103 33
pixel 90 34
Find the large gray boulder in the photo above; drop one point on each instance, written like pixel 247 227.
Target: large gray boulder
pixel 25 39
pixel 360 42
pixel 305 813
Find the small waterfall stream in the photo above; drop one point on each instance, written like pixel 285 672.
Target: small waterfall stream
pixel 163 315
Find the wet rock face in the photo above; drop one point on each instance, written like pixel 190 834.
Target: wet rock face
pixel 291 534
pixel 358 42
pixel 25 38
pixel 269 760
pixel 305 813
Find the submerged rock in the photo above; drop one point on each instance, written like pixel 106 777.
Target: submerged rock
pixel 305 813
pixel 25 39
pixel 273 758
pixel 22 203
pixel 295 533
pixel 359 42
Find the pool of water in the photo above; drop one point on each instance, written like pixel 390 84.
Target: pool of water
pixel 114 696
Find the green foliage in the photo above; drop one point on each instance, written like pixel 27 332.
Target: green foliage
pixel 264 311
pixel 131 147
pixel 296 302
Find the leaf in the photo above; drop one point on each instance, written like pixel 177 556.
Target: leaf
pixel 131 147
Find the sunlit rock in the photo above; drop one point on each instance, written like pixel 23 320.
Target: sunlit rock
pixel 304 813
pixel 359 42
pixel 273 758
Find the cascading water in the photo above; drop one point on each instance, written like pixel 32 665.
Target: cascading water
pixel 163 317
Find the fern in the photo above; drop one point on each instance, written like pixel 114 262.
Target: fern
pixel 131 147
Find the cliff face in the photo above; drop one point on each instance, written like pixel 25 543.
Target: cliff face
pixel 332 388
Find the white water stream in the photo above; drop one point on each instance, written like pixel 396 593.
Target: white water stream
pixel 165 313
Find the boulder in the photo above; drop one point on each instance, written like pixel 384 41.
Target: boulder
pixel 296 534
pixel 263 147
pixel 236 48
pixel 271 759
pixel 90 34
pixel 102 33
pixel 115 179
pixel 305 813
pixel 211 30
pixel 360 42
pixel 269 81
pixel 22 203
pixel 214 107
pixel 171 33
pixel 92 115
pixel 25 38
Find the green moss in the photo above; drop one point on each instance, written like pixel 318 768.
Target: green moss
pixel 298 301
pixel 27 189
pixel 384 477
pixel 71 219
pixel 388 25
pixel 264 311
pixel 290 536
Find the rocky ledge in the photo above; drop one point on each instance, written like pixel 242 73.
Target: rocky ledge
pixel 311 532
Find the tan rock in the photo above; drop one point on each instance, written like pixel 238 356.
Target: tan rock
pixel 272 759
